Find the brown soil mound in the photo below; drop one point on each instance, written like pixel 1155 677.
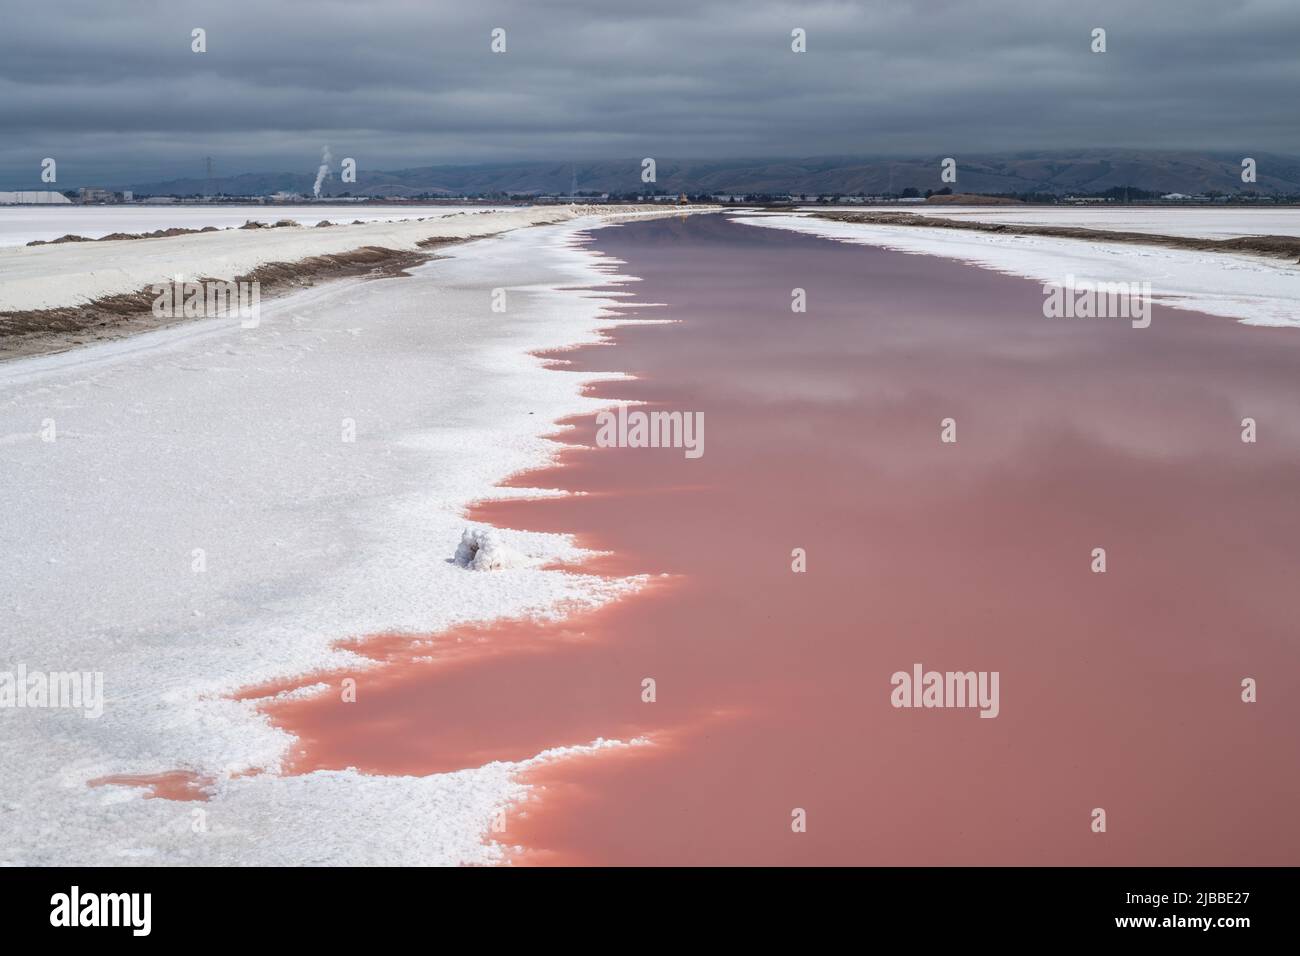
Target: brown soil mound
pixel 970 199
pixel 52 330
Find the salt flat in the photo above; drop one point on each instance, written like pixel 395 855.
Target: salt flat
pixel 48 277
pixel 20 225
pixel 1197 222
pixel 206 440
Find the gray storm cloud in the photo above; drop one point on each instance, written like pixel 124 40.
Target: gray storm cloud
pixel 118 94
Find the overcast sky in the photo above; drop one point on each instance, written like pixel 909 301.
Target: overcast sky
pixel 113 92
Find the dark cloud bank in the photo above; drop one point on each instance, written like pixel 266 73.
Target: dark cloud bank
pixel 114 93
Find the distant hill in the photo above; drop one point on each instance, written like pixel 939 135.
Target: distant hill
pixel 1058 173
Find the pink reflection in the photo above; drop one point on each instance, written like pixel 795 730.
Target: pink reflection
pixel 1118 691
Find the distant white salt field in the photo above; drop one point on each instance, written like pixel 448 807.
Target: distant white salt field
pixel 1197 222
pixel 1256 290
pixel 20 225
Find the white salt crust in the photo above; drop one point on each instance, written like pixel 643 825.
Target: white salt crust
pixel 211 441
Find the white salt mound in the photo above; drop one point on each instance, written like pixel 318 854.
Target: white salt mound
pixel 481 549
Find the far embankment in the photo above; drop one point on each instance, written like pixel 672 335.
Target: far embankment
pixel 1192 221
pixel 61 295
pixel 21 225
pixel 1181 262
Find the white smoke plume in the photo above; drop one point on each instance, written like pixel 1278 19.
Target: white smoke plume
pixel 323 173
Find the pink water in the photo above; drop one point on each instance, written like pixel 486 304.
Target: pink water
pixel 1118 690
pixel 174 785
